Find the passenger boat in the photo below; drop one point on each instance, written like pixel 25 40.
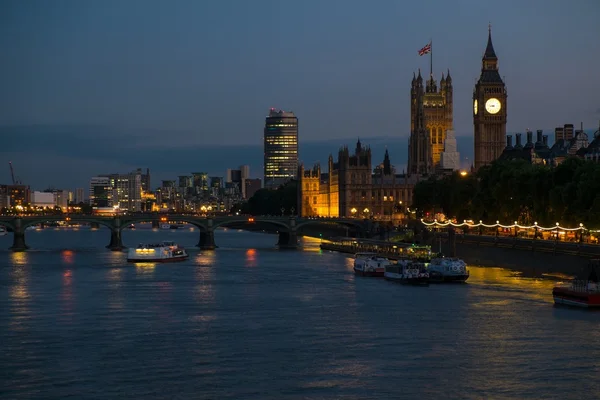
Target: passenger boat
pixel 582 292
pixel 419 253
pixel 370 264
pixel 2 231
pixel 408 272
pixel 447 269
pixel 159 252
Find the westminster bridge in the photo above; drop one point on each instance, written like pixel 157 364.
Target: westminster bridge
pixel 287 227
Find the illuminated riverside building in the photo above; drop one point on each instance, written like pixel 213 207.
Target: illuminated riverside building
pixel 352 189
pixel 280 147
pixel 123 191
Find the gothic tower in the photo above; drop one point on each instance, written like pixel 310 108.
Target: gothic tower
pixel 420 161
pixel 489 109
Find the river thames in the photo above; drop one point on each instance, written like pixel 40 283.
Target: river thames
pixel 248 321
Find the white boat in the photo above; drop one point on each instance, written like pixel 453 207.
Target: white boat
pixel 165 226
pixel 407 271
pixel 157 252
pixel 447 269
pixel 3 231
pixel 370 264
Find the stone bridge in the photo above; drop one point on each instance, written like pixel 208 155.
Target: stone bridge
pixel 286 226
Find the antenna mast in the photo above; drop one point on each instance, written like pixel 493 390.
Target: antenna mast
pixel 12 173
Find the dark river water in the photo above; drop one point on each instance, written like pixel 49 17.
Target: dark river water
pixel 248 321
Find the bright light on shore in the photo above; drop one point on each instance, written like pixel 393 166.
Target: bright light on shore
pixel 463 173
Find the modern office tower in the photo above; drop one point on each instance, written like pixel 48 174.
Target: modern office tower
pixel 146 188
pixel 123 191
pixel 216 186
pixel 100 192
pixel 280 148
pixel 200 183
pixel 127 190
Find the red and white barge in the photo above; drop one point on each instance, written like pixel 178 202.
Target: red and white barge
pixel 582 292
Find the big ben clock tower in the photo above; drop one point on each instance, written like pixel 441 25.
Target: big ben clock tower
pixel 489 109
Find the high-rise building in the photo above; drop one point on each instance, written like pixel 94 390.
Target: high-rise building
pixel 200 183
pixel 79 195
pixel 127 190
pixel 4 198
pixel 216 186
pixel 245 171
pixel 117 190
pixel 100 192
pixel 146 188
pixel 280 148
pixel 489 109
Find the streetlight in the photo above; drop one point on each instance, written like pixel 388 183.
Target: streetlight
pixel 463 173
pixel 353 211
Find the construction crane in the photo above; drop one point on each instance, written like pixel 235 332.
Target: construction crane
pixel 12 173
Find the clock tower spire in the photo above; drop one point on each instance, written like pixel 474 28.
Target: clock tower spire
pixel 489 109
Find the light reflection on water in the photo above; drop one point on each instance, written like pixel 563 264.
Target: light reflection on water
pixel 250 321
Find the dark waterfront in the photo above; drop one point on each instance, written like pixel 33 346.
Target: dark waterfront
pixel 251 322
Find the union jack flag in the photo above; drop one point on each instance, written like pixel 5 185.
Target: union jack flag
pixel 425 50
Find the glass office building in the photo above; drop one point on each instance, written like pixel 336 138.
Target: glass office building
pixel 281 148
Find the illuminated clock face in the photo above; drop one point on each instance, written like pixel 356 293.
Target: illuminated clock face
pixel 493 106
pixel 475 107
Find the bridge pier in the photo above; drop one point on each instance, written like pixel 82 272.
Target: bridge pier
pixel 207 240
pixel 288 240
pixel 94 225
pixel 155 224
pixel 116 244
pixel 19 237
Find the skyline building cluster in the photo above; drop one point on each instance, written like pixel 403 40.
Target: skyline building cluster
pixel 350 186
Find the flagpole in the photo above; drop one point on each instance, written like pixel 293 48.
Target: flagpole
pixel 431 58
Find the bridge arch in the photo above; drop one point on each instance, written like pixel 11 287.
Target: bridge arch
pixel 224 223
pixel 200 223
pixel 344 223
pixel 25 223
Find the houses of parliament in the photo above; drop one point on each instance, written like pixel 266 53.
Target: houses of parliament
pixel 352 187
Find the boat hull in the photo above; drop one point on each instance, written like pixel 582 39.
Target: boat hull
pixel 441 278
pixel 368 273
pixel 159 260
pixel 565 296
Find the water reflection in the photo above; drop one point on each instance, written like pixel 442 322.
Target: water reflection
pixel 68 257
pixel 115 298
pixel 67 291
pixel 19 258
pixel 145 268
pixel 20 297
pixel 251 258
pixel 205 275
pixel 511 285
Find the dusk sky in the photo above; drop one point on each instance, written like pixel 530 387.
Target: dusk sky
pixel 183 74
